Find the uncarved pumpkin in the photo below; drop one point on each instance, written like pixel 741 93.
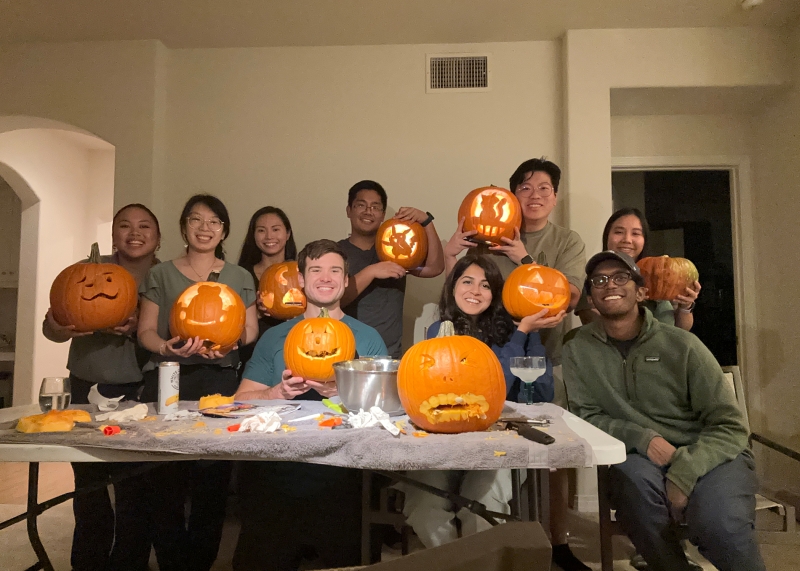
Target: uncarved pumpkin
pixel 530 288
pixel 281 291
pixel 209 310
pixel 453 383
pixel 93 295
pixel 493 212
pixel 404 243
pixel 314 344
pixel 666 278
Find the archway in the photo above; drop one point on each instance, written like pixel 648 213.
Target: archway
pixel 64 177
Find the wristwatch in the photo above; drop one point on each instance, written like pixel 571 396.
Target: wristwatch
pixel 526 260
pixel 688 309
pixel 427 221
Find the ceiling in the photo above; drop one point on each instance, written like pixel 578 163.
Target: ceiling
pixel 250 23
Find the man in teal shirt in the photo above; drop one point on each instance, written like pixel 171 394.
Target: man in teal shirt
pixel 288 509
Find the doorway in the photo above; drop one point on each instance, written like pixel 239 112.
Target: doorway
pixel 689 213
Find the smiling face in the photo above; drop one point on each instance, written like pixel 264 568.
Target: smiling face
pixel 472 291
pixel 203 238
pixel 271 234
pixel 616 301
pixel 535 207
pixel 366 213
pixel 324 280
pixel 627 236
pixel 135 234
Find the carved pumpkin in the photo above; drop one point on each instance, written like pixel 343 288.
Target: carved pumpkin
pixel 281 291
pixel 92 295
pixel 211 311
pixel 493 212
pixel 453 383
pixel 530 288
pixel 315 344
pixel 666 278
pixel 404 243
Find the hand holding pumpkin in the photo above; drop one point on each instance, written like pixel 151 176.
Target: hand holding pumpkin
pixel 262 309
pixel 290 386
pixel 410 214
pixel 387 270
pixel 513 249
pixel 686 301
pixel 327 390
pixel 129 327
pixel 191 347
pixel 539 321
pixel 459 242
pixel 54 331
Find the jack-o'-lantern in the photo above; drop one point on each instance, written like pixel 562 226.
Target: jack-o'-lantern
pixel 452 383
pixel 530 288
pixel 315 344
pixel 404 243
pixel 493 212
pixel 211 311
pixel 281 291
pixel 92 295
pixel 666 278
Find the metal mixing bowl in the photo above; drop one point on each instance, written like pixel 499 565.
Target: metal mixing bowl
pixel 367 382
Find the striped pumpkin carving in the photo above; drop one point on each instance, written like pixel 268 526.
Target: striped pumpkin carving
pixel 666 278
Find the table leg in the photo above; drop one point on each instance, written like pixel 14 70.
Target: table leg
pixel 516 500
pixel 366 523
pixel 32 514
pixel 534 512
pixel 604 505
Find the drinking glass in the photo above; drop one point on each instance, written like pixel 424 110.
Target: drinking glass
pixel 528 370
pixel 54 394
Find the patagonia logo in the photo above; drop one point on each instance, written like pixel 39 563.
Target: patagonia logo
pixel 652 359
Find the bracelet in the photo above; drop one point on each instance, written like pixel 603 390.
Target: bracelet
pixel 161 349
pixel 427 221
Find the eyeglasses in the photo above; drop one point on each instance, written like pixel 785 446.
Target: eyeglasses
pixel 363 206
pixel 544 190
pixel 214 224
pixel 619 279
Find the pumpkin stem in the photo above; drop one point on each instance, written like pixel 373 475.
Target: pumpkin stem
pixel 324 312
pixel 94 255
pixel 446 329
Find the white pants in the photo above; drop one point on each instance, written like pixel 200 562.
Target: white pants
pixel 432 517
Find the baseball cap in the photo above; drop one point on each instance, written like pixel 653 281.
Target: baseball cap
pixel 626 260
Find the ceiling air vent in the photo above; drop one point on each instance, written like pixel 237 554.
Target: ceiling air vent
pixel 448 73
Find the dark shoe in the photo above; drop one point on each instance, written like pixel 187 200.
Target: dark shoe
pixel 566 560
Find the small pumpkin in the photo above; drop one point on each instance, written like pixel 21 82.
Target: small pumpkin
pixel 314 344
pixel 52 421
pixel 209 310
pixel 281 291
pixel 666 278
pixel 404 243
pixel 493 212
pixel 213 401
pixel 93 295
pixel 530 288
pixel 452 383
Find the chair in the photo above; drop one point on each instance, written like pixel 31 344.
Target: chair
pixel 610 527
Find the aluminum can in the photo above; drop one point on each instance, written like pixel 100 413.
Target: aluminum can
pixel 169 382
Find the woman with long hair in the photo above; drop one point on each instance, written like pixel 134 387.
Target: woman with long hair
pixel 113 361
pixel 627 231
pixel 204 225
pixel 472 300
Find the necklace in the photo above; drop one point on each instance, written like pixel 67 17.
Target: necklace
pixel 199 275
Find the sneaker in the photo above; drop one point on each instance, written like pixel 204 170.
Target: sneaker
pixel 566 560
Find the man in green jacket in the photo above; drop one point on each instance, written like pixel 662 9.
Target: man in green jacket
pixel 659 390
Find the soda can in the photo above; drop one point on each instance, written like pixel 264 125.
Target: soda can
pixel 169 379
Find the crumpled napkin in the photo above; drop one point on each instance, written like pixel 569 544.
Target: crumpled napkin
pixel 182 415
pixel 375 416
pixel 264 422
pixel 137 412
pixel 103 404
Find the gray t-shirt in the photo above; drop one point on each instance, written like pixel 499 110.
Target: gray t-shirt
pixel 380 305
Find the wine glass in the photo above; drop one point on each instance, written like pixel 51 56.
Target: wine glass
pixel 528 370
pixel 54 394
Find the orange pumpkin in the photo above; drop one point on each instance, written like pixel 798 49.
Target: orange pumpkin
pixel 404 243
pixel 281 291
pixel 315 344
pixel 211 311
pixel 92 295
pixel 666 278
pixel 493 212
pixel 530 288
pixel 453 383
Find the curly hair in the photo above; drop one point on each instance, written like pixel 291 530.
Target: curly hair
pixel 494 326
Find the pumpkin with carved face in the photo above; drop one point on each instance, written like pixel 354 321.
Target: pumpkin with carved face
pixel 281 291
pixel 315 344
pixel 211 311
pixel 91 295
pixel 453 383
pixel 401 242
pixel 530 288
pixel 493 212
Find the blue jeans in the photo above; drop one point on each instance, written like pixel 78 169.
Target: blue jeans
pixel 720 515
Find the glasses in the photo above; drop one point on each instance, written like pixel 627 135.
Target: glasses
pixel 213 224
pixel 602 281
pixel 363 206
pixel 543 190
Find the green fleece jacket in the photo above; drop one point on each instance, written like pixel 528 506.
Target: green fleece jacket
pixel 670 385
